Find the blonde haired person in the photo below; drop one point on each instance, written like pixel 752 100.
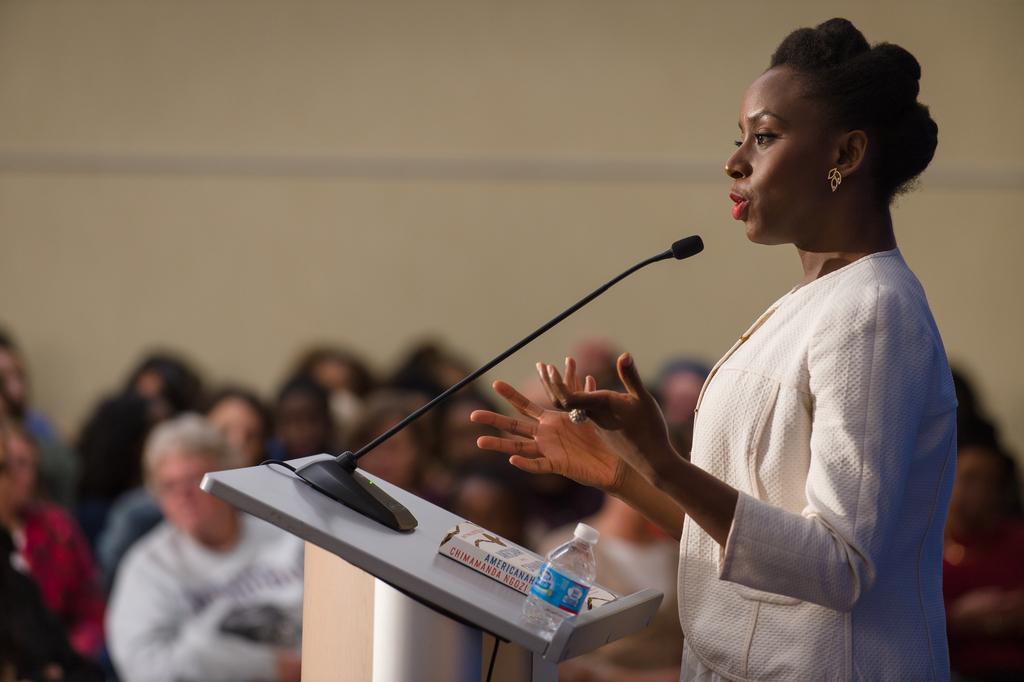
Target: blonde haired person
pixel 209 594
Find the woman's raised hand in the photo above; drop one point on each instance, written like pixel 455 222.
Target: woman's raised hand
pixel 631 423
pixel 548 442
pixel 623 431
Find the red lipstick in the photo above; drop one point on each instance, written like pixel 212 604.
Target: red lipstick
pixel 739 206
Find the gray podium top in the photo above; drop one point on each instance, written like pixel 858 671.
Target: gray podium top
pixel 411 563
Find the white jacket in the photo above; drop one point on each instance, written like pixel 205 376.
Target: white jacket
pixel 834 416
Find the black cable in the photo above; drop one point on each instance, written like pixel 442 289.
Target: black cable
pixel 272 462
pixel 494 656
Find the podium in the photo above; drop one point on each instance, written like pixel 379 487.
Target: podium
pixel 385 606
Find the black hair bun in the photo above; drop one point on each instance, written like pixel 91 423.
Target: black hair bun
pixel 870 88
pixel 828 45
pixel 896 70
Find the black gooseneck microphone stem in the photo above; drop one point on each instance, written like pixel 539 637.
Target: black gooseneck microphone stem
pixel 348 459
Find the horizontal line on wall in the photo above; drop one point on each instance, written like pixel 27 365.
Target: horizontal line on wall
pixel 461 169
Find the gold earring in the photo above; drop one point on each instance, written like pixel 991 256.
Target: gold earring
pixel 835 177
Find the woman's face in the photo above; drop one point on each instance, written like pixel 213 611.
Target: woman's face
pixel 242 427
pixel 780 166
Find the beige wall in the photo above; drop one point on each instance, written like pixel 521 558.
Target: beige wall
pixel 237 179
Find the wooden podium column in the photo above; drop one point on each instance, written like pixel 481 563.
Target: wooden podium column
pixel 337 619
pixel 337 626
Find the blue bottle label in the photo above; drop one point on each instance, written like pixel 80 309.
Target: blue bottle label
pixel 559 590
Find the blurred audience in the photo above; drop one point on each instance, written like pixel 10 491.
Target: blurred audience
pixel 595 356
pixel 204 592
pixel 346 378
pixel 458 436
pixel 33 642
pixel 554 502
pixel 973 424
pixel 493 497
pixel 455 448
pixel 110 449
pixel 429 368
pixel 168 382
pixel 983 567
pixel 402 459
pixel 677 389
pixel 132 515
pixel 52 548
pixel 303 420
pixel 58 467
pixel 983 556
pixel 15 385
pixel 211 593
pixel 244 419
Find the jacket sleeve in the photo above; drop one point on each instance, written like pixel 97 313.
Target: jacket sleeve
pixel 870 364
pixel 155 636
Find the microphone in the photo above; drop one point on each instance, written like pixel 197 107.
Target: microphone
pixel 339 478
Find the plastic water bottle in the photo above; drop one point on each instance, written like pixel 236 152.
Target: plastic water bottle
pixel 560 589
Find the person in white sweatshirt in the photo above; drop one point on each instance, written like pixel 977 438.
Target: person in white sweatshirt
pixel 210 594
pixel 810 515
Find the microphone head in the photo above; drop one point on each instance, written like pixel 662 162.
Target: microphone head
pixel 687 246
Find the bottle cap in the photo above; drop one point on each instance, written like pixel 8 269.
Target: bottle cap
pixel 586 533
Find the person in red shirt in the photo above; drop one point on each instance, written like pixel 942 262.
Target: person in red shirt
pixel 983 567
pixel 53 550
pixel 33 645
